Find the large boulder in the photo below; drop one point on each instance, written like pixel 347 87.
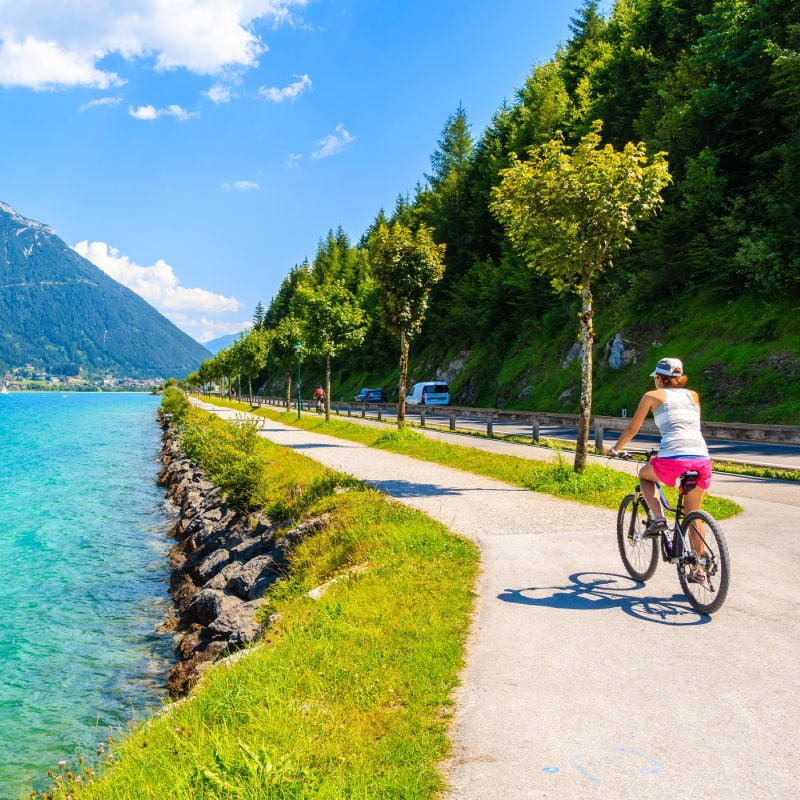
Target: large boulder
pixel 238 623
pixel 208 604
pixel 205 569
pixel 254 578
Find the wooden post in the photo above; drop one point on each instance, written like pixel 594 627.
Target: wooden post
pixel 535 431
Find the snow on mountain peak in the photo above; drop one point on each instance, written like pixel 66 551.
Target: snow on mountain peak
pixel 28 223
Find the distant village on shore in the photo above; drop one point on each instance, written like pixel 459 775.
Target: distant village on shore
pixel 30 378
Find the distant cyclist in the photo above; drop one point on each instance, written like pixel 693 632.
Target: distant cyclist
pixel 319 397
pixel 677 414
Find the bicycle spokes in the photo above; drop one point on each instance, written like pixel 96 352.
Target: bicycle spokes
pixel 704 570
pixel 639 553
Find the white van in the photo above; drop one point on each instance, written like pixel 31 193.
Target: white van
pixel 429 393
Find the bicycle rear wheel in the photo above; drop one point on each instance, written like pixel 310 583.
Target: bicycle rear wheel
pixel 708 595
pixel 639 553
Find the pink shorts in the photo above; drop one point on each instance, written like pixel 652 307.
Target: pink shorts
pixel 668 470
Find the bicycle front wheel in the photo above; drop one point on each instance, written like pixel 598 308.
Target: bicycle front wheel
pixel 639 552
pixel 709 551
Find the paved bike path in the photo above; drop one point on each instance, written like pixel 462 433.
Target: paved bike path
pixel 580 682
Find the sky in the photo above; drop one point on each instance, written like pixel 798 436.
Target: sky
pixel 197 150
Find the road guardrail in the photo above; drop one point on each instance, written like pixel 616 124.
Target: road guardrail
pixel 733 431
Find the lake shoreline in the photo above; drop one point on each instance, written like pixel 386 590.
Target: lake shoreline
pixel 221 566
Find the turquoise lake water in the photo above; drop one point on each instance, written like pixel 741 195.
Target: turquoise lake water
pixel 83 576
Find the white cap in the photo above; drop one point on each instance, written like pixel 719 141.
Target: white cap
pixel 671 367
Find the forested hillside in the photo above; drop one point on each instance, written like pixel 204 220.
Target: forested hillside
pixel 62 314
pixel 714 278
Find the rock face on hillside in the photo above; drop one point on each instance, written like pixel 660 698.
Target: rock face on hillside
pixel 221 567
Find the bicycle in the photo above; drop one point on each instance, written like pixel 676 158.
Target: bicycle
pixel 320 405
pixel 695 544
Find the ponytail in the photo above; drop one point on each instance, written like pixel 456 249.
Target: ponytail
pixel 673 382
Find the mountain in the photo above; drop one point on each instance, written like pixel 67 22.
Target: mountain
pixel 61 313
pixel 221 342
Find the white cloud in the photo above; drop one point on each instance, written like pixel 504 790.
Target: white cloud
pixel 180 113
pixel 192 310
pixel 333 143
pixel 143 112
pixel 290 92
pixel 219 94
pixel 241 186
pixel 294 159
pixel 41 64
pixel 51 44
pixel 103 101
pixel 151 112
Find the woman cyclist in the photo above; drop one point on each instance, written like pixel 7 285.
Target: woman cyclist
pixel 677 414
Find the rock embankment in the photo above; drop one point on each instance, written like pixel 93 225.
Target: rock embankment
pixel 222 564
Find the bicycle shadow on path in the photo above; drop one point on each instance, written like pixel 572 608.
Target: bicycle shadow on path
pixel 599 591
pixel 400 488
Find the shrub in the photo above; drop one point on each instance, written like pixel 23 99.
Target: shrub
pixel 175 403
pixel 230 454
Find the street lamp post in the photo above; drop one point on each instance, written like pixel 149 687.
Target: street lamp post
pixel 298 348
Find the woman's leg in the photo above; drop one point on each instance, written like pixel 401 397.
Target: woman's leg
pixel 692 501
pixel 647 480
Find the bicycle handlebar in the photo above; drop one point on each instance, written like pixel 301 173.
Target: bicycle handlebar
pixel 626 455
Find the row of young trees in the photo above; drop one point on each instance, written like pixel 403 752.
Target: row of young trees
pixel 321 315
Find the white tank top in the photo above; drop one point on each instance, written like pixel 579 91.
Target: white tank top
pixel 678 419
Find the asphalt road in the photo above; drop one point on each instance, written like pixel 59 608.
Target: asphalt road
pixel 581 683
pixel 778 455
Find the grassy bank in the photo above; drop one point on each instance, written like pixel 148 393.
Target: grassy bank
pixel 348 695
pixel 597 485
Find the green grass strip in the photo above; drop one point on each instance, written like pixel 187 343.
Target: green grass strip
pixel 597 485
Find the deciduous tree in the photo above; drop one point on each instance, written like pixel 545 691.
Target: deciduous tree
pixel 407 265
pixel 284 338
pixel 569 214
pixel 253 350
pixel 332 322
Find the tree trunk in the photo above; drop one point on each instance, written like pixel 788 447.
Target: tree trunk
pixel 401 401
pixel 327 388
pixel 587 339
pixel 288 389
pixel 250 388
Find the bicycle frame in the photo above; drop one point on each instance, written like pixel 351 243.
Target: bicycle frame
pixel 669 552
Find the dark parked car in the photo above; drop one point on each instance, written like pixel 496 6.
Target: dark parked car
pixel 370 396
